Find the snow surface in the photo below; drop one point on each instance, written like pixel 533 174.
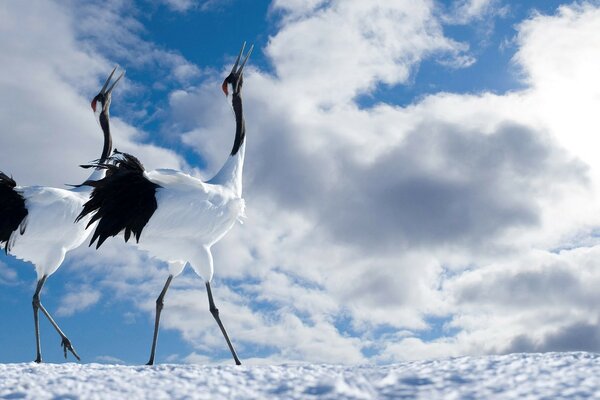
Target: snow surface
pixel 515 376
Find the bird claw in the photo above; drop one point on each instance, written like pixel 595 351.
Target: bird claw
pixel 66 345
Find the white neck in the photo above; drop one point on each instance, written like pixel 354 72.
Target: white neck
pixel 230 174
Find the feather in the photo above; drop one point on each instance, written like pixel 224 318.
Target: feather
pixel 12 211
pixel 124 200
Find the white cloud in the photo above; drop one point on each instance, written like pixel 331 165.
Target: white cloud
pixel 332 53
pixel 187 5
pixel 465 11
pixel 109 360
pixel 78 300
pixel 538 302
pixel 180 5
pixel 297 6
pixel 109 29
pixel 560 63
pixel 7 275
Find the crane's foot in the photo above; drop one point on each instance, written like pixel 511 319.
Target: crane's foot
pixel 66 345
pixel 38 360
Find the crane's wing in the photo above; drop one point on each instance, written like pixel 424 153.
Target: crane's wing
pixel 12 210
pixel 124 200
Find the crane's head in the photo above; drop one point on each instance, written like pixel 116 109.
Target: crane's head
pixel 101 102
pixel 235 77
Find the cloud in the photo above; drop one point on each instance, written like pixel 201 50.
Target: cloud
pixel 565 86
pixel 7 275
pixel 109 360
pixel 330 54
pixel 112 30
pixel 579 336
pixel 187 5
pixel 79 300
pixel 180 5
pixel 465 11
pixel 297 8
pixel 538 302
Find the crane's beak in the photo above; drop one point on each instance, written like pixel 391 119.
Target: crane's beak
pixel 108 91
pixel 104 95
pixel 235 71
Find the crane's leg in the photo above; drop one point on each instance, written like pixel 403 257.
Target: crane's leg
pixel 215 313
pixel 159 307
pixel 37 304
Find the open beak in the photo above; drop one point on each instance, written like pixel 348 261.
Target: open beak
pixel 104 89
pixel 235 70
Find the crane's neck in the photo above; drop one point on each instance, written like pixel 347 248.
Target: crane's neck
pixel 230 175
pixel 240 124
pixel 105 125
pixel 98 173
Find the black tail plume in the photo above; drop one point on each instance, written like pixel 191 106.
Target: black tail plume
pixel 12 211
pixel 124 200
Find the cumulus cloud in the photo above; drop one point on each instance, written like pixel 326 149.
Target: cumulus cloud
pixel 78 300
pixel 180 5
pixel 186 5
pixel 332 53
pixel 565 85
pixel 541 301
pixel 7 274
pixel 465 11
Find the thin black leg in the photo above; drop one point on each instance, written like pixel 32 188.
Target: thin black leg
pixel 37 305
pixel 215 313
pixel 159 306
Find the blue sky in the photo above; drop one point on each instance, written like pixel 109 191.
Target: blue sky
pixel 410 174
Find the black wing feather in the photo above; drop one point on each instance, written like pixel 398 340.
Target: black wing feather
pixel 12 210
pixel 124 200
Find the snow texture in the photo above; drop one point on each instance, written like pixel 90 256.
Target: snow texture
pixel 515 376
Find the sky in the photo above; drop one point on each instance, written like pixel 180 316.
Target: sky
pixel 421 178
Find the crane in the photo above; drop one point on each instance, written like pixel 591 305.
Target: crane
pixel 174 216
pixel 37 222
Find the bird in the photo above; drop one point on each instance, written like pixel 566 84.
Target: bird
pixel 174 216
pixel 37 223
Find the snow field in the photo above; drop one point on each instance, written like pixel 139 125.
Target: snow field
pixel 515 376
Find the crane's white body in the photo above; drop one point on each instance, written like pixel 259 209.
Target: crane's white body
pixel 50 230
pixel 192 215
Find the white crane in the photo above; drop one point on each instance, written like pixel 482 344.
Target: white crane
pixel 37 222
pixel 174 216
